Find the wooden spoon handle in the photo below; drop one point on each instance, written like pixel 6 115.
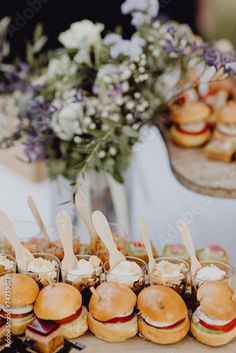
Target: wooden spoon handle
pixel 86 217
pixel 188 243
pixel 147 243
pixel 38 218
pixel 65 231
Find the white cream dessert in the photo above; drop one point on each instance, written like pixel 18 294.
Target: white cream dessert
pixel 84 268
pixel 127 272
pixel 209 273
pixel 169 273
pixel 6 264
pixel 45 270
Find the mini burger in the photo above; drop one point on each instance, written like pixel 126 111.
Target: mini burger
pixel 163 315
pixel 23 293
pixel 190 128
pixel 111 312
pixel 214 321
pixel 62 303
pixel 226 122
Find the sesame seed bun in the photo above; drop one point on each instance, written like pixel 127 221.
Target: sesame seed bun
pixel 114 300
pixel 161 304
pixel 216 299
pixel 24 290
pixel 57 302
pixel 190 112
pixel 189 140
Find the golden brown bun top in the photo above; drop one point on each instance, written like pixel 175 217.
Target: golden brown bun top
pixel 58 301
pixel 227 114
pixel 113 300
pixel 162 304
pixel 190 112
pixel 216 299
pixel 24 290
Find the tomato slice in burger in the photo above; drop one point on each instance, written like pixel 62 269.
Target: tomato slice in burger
pixel 16 316
pixel 70 318
pixel 226 328
pixel 120 320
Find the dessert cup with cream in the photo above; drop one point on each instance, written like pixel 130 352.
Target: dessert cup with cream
pixel 44 269
pixel 7 264
pixel 170 272
pixel 131 273
pixel 85 275
pixel 212 271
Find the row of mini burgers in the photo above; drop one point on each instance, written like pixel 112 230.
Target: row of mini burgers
pixel 55 313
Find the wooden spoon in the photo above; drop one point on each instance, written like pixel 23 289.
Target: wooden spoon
pixel 38 219
pixel 188 243
pixel 104 231
pixel 87 219
pixel 65 231
pixel 147 243
pixel 23 255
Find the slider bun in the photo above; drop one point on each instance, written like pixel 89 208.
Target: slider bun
pixel 113 332
pixel 57 301
pixel 19 325
pixel 24 290
pixel 77 327
pixel 190 112
pixel 212 339
pixel 227 114
pixel 162 304
pixel 163 336
pixel 216 300
pixel 188 140
pixel 115 300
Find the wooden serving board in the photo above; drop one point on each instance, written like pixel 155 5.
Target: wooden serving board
pixel 199 174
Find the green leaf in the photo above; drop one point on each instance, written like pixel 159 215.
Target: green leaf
pixel 130 132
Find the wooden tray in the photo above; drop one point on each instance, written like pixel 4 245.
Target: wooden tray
pixel 199 174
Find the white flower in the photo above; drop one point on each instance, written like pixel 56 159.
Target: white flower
pixel 82 36
pixel 208 74
pixel 143 11
pixel 132 48
pixel 112 38
pixel 67 121
pixel 112 151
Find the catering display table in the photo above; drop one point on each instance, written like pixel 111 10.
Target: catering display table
pixel 199 174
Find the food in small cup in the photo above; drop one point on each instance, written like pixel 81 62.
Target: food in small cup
pixel 137 249
pixel 111 312
pixel 3 330
pixel 212 271
pixel 24 291
pixel 221 149
pixel 163 315
pixel 190 128
pixel 170 272
pixel 176 251
pixel 213 253
pixel 226 122
pixel 44 269
pixel 62 303
pixel 55 248
pixel 85 275
pixel 7 264
pixel 214 321
pixel 131 273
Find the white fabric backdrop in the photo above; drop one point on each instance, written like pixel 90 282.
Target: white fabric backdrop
pixel 152 191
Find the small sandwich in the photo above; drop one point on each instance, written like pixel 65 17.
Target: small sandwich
pixel 111 312
pixel 214 321
pixel 213 253
pixel 226 122
pixel 62 303
pixel 3 330
pixel 221 149
pixel 176 251
pixel 163 315
pixel 137 249
pixel 190 128
pixel 23 293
